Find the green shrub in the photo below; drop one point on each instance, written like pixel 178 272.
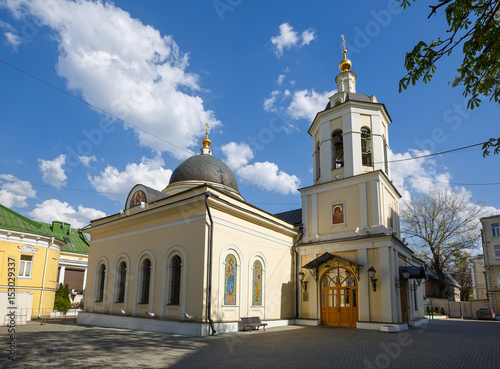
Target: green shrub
pixel 61 301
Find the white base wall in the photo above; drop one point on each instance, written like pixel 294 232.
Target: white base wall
pixel 384 327
pixel 23 303
pixel 165 326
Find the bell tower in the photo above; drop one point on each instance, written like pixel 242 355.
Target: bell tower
pixel 351 170
pixel 350 137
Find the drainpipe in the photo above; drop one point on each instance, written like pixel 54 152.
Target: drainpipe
pixel 210 252
pixel 44 273
pixel 297 287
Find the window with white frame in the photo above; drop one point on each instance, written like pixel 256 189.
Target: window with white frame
pixel 101 278
pixel 497 252
pixel 25 266
pixel 145 281
pixel 495 229
pixel 498 281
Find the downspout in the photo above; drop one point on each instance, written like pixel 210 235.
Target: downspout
pixel 210 252
pixel 297 287
pixel 44 273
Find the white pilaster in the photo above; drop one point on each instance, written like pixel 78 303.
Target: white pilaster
pixel 363 288
pixel 377 143
pixel 363 208
pixel 305 216
pixel 314 216
pixel 386 282
pixel 375 203
pixel 325 152
pixel 351 127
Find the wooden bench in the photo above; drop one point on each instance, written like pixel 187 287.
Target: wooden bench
pixel 252 322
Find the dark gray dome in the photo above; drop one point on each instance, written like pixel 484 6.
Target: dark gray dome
pixel 204 168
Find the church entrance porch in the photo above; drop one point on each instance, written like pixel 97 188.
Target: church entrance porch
pixel 339 295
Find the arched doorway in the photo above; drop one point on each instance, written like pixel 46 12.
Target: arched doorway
pixel 339 298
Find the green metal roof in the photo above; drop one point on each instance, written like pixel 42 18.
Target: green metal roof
pixel 13 221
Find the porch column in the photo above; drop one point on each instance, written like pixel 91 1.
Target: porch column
pixel 61 274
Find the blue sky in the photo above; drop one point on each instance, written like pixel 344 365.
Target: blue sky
pixel 256 71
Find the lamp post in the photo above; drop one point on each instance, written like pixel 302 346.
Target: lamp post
pixel 371 274
pixel 301 276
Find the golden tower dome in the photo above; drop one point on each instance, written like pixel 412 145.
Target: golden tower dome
pixel 345 64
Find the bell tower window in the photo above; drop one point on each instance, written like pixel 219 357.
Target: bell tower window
pixel 337 149
pixel 366 146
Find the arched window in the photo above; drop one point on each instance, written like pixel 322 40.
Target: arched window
pixel 101 277
pixel 175 280
pixel 122 277
pixel 337 149
pixel 366 146
pixel 257 285
pixel 230 280
pixel 316 154
pixel 145 281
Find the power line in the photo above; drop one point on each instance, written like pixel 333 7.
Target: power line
pixel 117 118
pixel 437 153
pixel 450 183
pixel 93 106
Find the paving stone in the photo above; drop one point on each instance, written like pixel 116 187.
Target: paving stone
pixel 440 344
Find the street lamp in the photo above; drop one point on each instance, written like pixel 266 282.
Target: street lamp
pixel 301 276
pixel 371 274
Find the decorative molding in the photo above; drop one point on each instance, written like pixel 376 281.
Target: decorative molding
pixel 27 248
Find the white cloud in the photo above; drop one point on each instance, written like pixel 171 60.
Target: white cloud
pixel 419 175
pixel 289 38
pixel 268 177
pixel 12 40
pixel 52 171
pixel 424 176
pixel 280 79
pixel 124 67
pixel 237 154
pixel 269 103
pixel 51 210
pixel 86 160
pixel 14 192
pixel 305 104
pixel 114 184
pixel 307 37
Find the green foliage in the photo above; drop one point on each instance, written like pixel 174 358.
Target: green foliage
pixel 475 26
pixel 62 302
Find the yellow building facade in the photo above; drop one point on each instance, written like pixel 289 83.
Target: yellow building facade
pixel 491 250
pixel 198 253
pixel 33 249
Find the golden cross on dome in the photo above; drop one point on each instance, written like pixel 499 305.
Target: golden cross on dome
pixel 343 41
pixel 206 125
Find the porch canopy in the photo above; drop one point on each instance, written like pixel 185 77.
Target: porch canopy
pixel 416 272
pixel 337 260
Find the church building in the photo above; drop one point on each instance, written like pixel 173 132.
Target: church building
pixel 195 257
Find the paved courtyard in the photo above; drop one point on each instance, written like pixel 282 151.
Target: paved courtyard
pixel 440 344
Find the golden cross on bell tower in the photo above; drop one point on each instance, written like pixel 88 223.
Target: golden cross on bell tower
pixel 206 143
pixel 345 64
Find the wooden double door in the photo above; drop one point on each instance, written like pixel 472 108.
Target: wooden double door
pixel 339 298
